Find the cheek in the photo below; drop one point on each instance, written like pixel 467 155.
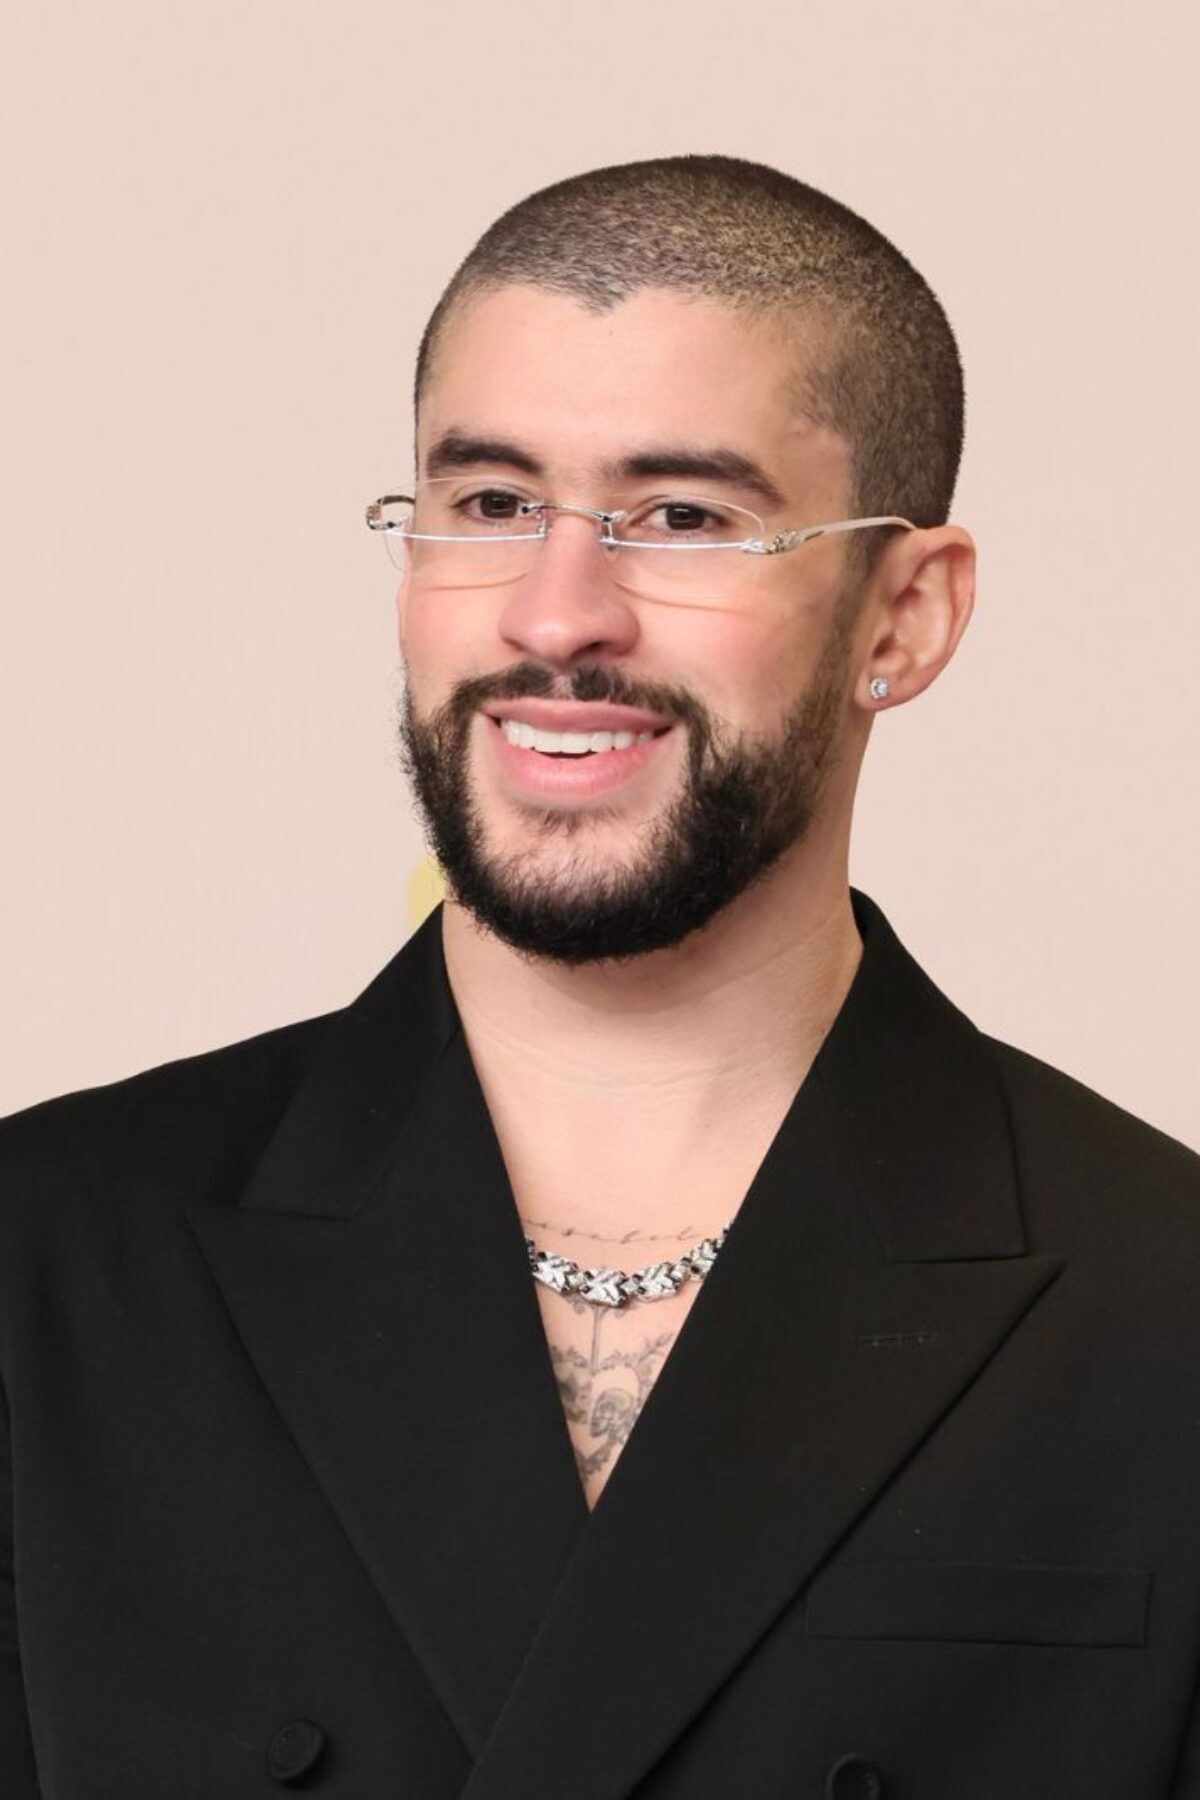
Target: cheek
pixel 439 644
pixel 746 669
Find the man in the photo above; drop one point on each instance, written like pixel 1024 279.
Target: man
pixel 650 1342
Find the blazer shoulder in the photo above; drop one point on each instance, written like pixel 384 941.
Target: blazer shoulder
pixel 1092 1172
pixel 197 1127
pixel 1044 1095
pixel 215 1107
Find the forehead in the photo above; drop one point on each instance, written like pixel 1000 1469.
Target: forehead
pixel 583 388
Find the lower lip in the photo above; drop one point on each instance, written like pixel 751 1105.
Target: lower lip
pixel 571 777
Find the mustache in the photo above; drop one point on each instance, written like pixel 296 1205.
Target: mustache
pixel 589 682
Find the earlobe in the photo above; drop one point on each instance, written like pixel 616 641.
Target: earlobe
pixel 923 602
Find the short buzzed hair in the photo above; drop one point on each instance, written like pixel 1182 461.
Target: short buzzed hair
pixel 883 369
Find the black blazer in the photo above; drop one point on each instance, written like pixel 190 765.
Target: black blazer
pixel 287 1498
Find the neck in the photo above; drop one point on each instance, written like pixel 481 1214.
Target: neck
pixel 766 971
pixel 680 1046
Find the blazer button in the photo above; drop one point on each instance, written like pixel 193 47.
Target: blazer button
pixel 294 1749
pixel 854 1778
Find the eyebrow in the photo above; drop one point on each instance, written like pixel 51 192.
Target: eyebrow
pixel 462 450
pixel 457 449
pixel 717 464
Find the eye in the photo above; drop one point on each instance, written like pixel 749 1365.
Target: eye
pixel 491 506
pixel 675 519
pixel 684 515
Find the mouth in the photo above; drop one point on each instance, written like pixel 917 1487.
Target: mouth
pixel 573 749
pixel 573 743
pixel 574 728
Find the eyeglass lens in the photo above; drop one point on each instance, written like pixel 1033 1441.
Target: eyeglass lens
pixel 469 534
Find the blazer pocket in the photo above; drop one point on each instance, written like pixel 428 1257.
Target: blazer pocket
pixel 978 1603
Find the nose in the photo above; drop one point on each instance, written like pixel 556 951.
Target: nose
pixel 568 606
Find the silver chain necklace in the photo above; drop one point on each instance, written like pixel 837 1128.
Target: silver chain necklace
pixel 616 1287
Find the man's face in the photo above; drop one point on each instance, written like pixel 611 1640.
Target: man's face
pixel 736 710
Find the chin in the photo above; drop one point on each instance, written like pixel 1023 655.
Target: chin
pixel 569 860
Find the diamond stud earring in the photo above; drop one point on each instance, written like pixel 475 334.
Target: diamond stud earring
pixel 881 687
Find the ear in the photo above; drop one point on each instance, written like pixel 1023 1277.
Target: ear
pixel 919 600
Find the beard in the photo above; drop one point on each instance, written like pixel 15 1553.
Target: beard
pixel 743 802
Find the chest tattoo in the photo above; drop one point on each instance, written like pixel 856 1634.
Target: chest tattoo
pixel 603 1389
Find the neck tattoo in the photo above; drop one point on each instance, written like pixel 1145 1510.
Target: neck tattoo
pixel 685 1234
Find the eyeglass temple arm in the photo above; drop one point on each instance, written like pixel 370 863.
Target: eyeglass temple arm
pixel 791 540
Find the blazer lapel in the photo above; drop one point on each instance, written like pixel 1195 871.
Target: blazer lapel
pixel 874 1268
pixel 376 1274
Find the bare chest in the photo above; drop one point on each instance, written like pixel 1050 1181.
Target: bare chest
pixel 605 1363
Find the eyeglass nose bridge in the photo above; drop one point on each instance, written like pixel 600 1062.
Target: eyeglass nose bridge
pixel 605 520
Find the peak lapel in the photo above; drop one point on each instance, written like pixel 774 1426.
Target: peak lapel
pixel 376 1274
pixel 874 1269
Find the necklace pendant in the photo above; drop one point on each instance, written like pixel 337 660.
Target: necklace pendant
pixel 704 1255
pixel 555 1272
pixel 602 1287
pixel 659 1280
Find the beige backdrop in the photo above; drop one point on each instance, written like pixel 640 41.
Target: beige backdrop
pixel 224 225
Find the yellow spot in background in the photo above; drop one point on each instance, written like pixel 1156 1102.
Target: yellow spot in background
pixel 424 891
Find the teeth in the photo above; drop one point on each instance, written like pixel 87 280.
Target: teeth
pixel 570 743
